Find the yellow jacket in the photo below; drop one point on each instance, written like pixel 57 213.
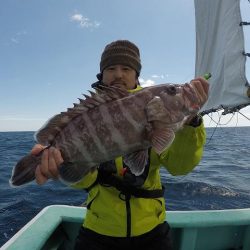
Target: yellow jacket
pixel 108 212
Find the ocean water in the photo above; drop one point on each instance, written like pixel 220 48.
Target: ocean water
pixel 220 181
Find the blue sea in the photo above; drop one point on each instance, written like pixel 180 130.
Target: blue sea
pixel 220 181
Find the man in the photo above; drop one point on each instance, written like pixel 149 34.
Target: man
pixel 124 210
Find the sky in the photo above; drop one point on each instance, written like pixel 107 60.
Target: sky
pixel 50 52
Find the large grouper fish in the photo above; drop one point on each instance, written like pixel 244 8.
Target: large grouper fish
pixel 109 123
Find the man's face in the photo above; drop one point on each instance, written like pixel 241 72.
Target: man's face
pixel 120 76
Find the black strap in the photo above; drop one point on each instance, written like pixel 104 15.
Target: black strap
pixel 132 190
pixel 106 177
pixel 126 189
pixel 112 180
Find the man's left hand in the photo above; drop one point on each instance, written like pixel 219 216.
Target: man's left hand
pixel 201 87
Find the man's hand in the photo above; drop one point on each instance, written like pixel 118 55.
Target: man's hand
pixel 201 87
pixel 51 160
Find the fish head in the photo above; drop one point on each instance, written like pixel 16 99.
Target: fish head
pixel 179 98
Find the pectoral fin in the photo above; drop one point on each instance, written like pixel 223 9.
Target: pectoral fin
pixel 72 172
pixel 162 138
pixel 137 161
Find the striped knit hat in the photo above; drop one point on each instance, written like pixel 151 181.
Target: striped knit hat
pixel 121 52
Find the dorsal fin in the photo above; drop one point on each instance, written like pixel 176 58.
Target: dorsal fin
pixel 106 94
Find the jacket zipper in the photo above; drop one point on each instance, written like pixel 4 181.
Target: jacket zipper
pixel 128 211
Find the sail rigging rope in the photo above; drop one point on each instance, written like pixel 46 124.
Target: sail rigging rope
pixel 220 115
pixel 245 23
pixel 244 116
pixel 217 123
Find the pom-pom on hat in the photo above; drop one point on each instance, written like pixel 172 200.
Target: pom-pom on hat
pixel 121 52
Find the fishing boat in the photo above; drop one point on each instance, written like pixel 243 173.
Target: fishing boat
pixel 56 227
pixel 219 50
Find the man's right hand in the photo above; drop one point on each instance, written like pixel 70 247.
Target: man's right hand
pixel 51 160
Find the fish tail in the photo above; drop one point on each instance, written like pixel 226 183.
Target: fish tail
pixel 24 171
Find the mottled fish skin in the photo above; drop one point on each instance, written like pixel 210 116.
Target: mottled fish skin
pixel 112 124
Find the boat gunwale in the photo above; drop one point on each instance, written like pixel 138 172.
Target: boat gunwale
pixel 40 228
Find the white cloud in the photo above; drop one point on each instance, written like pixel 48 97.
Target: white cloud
pixel 16 38
pixel 21 33
pixel 84 22
pixel 146 83
pixel 159 76
pixel 76 17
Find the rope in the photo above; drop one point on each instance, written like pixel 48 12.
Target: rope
pixel 217 123
pixel 244 116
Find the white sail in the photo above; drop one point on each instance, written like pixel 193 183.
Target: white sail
pixel 219 50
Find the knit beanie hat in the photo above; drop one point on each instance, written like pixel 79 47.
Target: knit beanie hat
pixel 121 52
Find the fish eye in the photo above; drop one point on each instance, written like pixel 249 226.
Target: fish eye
pixel 171 90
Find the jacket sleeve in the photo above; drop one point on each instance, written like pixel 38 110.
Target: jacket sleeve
pixel 186 151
